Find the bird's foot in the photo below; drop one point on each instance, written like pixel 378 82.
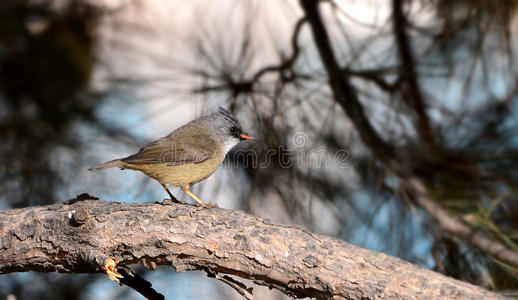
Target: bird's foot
pixel 110 268
pixel 169 202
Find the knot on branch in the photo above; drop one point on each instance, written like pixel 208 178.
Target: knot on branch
pixel 79 216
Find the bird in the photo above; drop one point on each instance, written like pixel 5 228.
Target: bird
pixel 188 155
pixel 185 157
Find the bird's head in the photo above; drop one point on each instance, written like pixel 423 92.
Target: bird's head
pixel 227 128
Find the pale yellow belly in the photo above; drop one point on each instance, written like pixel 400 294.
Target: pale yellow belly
pixel 181 175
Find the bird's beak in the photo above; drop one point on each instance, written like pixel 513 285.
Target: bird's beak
pixel 243 136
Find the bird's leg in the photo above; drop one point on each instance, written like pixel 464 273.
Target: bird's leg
pixel 110 267
pixel 188 192
pixel 173 198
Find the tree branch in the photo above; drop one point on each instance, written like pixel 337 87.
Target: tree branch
pixel 412 95
pixel 346 96
pixel 236 285
pixel 281 68
pixel 299 263
pixel 376 76
pixel 339 82
pixel 138 283
pixel 287 63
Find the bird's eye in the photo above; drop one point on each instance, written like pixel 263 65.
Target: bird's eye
pixel 233 129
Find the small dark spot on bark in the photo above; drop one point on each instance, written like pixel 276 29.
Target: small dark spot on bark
pixel 311 247
pixel 217 222
pixel 311 261
pixel 239 237
pixel 179 211
pixel 123 248
pixel 25 231
pixel 232 224
pixel 242 240
pixel 264 239
pixel 160 244
pixel 7 241
pixel 272 230
pixel 99 217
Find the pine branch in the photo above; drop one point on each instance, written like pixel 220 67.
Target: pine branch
pixel 78 236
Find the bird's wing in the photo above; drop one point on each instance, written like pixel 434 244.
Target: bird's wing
pixel 195 149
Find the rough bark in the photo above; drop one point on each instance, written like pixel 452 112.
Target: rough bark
pixel 77 237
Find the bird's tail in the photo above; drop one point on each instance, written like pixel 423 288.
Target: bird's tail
pixel 106 165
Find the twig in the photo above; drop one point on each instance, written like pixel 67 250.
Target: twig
pixel 288 63
pixel 236 285
pixel 411 92
pixel 281 68
pixel 138 283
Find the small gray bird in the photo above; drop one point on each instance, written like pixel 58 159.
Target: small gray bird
pixel 188 155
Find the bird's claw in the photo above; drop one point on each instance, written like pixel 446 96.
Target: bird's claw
pixel 110 268
pixel 168 202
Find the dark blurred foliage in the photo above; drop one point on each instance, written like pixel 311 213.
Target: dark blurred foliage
pixel 475 174
pixel 46 59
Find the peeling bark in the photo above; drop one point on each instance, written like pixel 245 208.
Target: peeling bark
pixel 76 237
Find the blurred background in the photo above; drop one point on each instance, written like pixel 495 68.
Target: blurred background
pixel 86 81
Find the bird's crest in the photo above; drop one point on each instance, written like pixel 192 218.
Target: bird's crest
pixel 227 115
